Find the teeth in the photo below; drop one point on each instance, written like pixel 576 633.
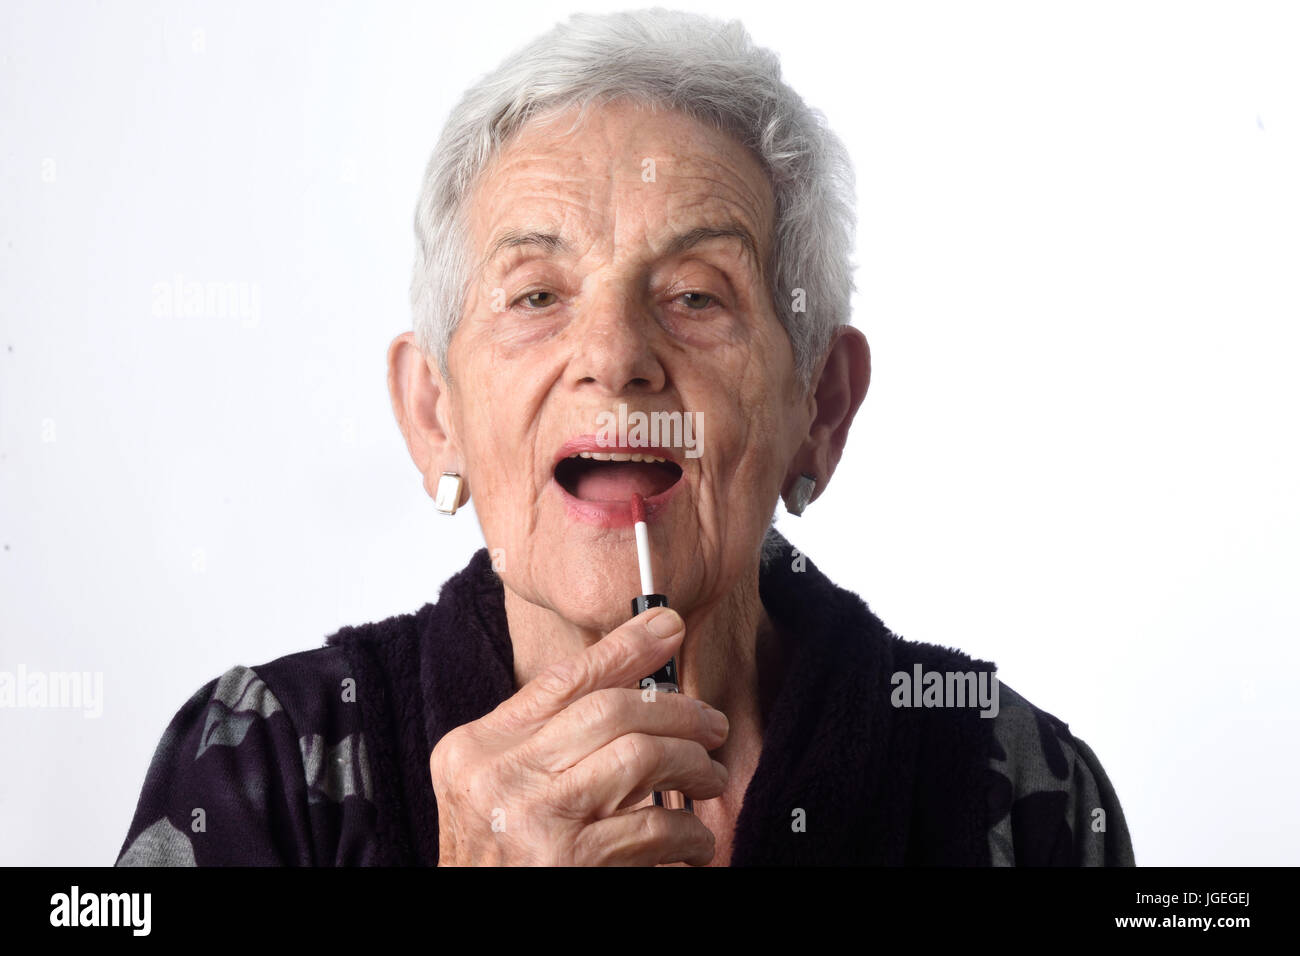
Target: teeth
pixel 617 456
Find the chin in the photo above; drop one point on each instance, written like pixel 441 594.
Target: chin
pixel 600 618
pixel 588 595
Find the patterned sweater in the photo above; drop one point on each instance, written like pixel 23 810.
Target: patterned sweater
pixel 276 764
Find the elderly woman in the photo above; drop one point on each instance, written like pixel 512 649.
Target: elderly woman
pixel 631 302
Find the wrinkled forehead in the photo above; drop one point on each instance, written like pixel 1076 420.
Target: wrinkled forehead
pixel 621 175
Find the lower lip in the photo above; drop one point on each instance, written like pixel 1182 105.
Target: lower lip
pixel 613 514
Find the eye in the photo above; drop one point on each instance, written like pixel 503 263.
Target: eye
pixel 696 301
pixel 532 299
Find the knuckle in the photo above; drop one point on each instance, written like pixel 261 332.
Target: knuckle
pixel 700 755
pixel 702 722
pixel 636 753
pixel 562 677
pixel 564 792
pixel 698 719
pixel 588 848
pixel 606 657
pixel 656 827
pixel 462 773
pixel 602 707
pixel 704 768
pixel 593 846
pixel 449 755
pixel 570 794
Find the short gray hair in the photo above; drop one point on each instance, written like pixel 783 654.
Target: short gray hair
pixel 708 70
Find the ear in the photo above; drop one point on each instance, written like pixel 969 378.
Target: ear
pixel 422 406
pixel 835 397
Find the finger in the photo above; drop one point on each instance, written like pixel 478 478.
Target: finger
pixel 624 772
pixel 646 837
pixel 621 658
pixel 593 721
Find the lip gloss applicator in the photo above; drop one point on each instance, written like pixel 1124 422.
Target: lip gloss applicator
pixel 666 678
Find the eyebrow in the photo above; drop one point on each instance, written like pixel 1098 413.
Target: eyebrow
pixel 552 244
pixel 513 239
pixel 693 237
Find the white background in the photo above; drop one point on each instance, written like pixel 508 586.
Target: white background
pixel 1078 248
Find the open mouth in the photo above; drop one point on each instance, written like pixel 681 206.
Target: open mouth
pixel 615 476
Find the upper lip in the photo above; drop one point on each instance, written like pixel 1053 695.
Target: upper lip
pixel 583 443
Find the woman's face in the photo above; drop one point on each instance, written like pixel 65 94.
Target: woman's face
pixel 621 264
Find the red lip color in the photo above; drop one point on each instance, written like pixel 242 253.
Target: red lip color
pixel 665 679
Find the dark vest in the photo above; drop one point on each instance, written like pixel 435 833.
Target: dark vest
pixel 844 777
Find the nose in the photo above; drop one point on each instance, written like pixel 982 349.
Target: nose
pixel 613 347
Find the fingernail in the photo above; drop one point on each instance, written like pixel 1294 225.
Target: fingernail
pixel 665 624
pixel 722 771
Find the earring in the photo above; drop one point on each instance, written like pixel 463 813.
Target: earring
pixel 448 493
pixel 801 494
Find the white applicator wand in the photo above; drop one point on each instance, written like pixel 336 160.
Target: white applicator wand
pixel 666 678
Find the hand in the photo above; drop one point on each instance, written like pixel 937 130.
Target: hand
pixel 551 775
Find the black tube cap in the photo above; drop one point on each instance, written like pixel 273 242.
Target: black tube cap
pixel 644 602
pixel 665 676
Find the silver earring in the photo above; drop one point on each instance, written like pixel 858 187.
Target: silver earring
pixel 448 493
pixel 801 494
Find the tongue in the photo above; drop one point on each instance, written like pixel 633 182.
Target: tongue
pixel 619 480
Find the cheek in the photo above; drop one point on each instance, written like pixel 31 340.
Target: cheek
pixel 506 480
pixel 486 445
pixel 762 430
pixel 761 392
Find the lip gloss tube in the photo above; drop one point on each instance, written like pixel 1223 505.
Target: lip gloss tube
pixel 666 679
